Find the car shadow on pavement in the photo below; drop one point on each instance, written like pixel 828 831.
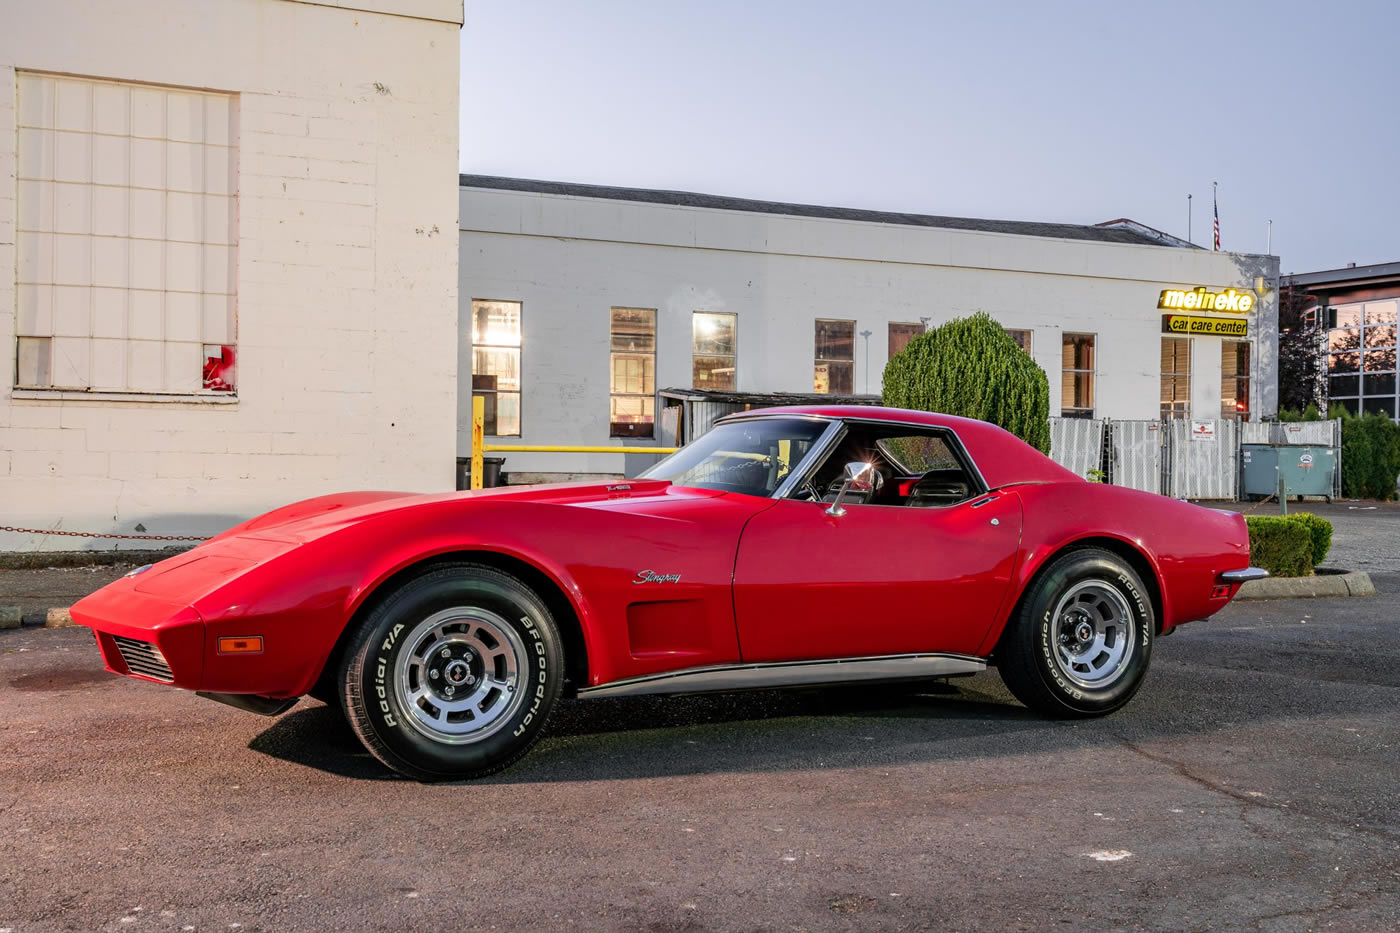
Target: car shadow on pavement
pixel 318 736
pixel 654 736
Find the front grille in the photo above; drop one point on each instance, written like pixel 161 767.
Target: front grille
pixel 144 658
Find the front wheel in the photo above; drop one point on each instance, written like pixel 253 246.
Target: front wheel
pixel 454 674
pixel 1081 639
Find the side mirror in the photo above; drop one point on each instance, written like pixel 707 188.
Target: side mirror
pixel 860 478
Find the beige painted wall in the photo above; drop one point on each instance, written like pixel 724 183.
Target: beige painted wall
pixel 346 266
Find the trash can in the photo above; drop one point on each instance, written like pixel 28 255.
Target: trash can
pixel 490 472
pixel 1306 470
pixel 1260 465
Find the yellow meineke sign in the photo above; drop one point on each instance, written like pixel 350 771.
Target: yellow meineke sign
pixel 1199 299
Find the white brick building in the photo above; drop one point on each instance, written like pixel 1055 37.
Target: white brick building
pixel 588 300
pixel 228 248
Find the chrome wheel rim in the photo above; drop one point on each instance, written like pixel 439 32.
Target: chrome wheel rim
pixel 459 676
pixel 1093 634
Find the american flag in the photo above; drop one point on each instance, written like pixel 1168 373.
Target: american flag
pixel 1215 201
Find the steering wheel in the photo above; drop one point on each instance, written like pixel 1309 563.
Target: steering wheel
pixel 810 490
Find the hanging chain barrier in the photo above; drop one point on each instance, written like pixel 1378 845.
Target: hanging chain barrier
pixel 95 534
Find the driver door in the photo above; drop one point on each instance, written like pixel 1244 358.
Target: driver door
pixel 878 580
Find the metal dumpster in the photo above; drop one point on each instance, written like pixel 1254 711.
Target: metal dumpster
pixel 1306 470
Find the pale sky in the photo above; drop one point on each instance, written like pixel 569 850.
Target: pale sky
pixel 1066 111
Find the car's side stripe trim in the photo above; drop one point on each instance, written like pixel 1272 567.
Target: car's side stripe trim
pixel 728 677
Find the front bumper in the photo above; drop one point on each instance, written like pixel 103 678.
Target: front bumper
pixel 167 649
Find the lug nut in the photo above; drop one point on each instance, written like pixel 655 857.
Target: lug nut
pixel 433 674
pixel 449 690
pixel 446 653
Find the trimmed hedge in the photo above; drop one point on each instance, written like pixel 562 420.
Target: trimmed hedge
pixel 1321 531
pixel 971 367
pixel 1370 456
pixel 1281 545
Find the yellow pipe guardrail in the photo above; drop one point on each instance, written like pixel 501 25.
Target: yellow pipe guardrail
pixel 480 447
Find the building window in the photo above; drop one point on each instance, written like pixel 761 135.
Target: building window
pixel 1077 375
pixel 496 364
pixel 714 350
pixel 1022 338
pixel 1361 357
pixel 901 334
pixel 1234 379
pixel 1176 377
pixel 632 339
pixel 126 237
pixel 834 366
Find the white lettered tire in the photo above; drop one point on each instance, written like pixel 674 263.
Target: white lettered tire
pixel 454 674
pixel 1081 639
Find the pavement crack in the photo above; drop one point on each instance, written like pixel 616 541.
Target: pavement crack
pixel 1184 771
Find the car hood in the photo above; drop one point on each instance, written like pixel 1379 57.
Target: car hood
pixel 312 518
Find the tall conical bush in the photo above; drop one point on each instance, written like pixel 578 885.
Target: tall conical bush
pixel 971 367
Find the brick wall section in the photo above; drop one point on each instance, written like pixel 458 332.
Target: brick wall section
pixel 347 267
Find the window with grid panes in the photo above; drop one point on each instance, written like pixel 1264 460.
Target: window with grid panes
pixel 126 237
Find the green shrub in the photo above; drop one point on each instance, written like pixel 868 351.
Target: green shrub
pixel 1321 531
pixel 970 367
pixel 1280 545
pixel 1370 455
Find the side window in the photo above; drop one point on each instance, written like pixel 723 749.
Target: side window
pixel 918 453
pixel 920 469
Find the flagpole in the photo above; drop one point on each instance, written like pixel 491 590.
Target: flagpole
pixel 1188 218
pixel 1215 206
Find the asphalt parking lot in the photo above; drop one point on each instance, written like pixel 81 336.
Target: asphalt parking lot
pixel 1252 784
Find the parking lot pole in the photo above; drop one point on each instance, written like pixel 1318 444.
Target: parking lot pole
pixel 478 438
pixel 1282 494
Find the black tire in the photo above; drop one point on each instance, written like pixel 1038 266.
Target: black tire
pixel 1037 666
pixel 452 616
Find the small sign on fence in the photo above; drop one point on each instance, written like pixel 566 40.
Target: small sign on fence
pixel 1202 430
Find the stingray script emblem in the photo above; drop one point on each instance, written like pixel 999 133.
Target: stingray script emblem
pixel 651 576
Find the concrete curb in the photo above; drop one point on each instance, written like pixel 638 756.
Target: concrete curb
pixel 38 560
pixel 58 618
pixel 1351 583
pixel 14 617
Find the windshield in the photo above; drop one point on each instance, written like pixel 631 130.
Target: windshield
pixel 751 457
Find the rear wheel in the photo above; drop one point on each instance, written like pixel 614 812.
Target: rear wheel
pixel 1081 640
pixel 454 674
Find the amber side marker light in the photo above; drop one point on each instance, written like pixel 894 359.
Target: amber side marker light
pixel 242 644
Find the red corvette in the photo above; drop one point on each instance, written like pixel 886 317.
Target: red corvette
pixel 786 547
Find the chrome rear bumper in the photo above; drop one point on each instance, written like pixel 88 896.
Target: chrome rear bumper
pixel 1245 575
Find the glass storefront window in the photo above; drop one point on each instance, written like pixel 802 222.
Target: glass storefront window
pixel 1077 375
pixel 1380 335
pixel 1176 377
pixel 1380 361
pixel 1345 338
pixel 1234 379
pixel 1381 312
pixel 496 342
pixel 632 344
pixel 714 350
pixel 1348 315
pixel 834 363
pixel 1349 362
pixel 1363 341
